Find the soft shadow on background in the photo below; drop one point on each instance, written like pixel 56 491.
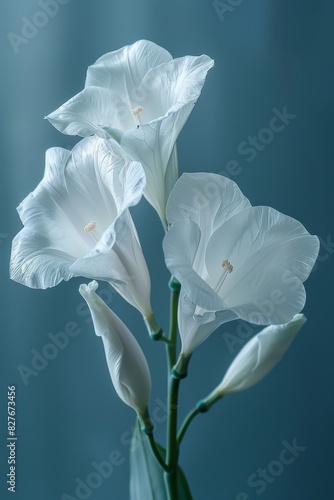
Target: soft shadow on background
pixel 269 54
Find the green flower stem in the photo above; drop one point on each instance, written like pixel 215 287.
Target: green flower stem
pixel 205 404
pixel 192 414
pixel 202 407
pixel 165 339
pixel 156 333
pixel 156 453
pixel 174 286
pixel 180 369
pixel 148 427
pixel 172 444
pixel 172 449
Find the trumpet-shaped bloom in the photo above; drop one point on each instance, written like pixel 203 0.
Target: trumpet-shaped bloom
pixel 77 223
pixel 142 97
pixel 233 260
pixel 126 362
pixel 259 356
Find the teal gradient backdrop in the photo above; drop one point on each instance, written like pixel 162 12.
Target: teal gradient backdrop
pixel 270 55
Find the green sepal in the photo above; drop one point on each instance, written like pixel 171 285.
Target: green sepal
pixel 146 475
pixel 174 284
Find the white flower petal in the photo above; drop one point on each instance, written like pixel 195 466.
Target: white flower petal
pixel 48 209
pixel 141 98
pixel 125 68
pixel 80 224
pixel 272 254
pixel 122 265
pixel 259 356
pixel 152 144
pixel 195 329
pixel 36 264
pixel 205 198
pixel 65 201
pixel 142 145
pixel 127 364
pixel 172 85
pixel 180 246
pixel 93 111
pixel 239 262
pixel 53 158
pixel 171 174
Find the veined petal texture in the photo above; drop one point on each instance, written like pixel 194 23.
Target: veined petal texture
pixel 141 97
pixel 233 260
pixel 77 222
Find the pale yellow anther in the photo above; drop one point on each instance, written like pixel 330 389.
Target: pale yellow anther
pixel 135 111
pixel 227 264
pixel 90 227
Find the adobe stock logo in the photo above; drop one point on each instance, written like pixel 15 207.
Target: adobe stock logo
pixel 30 27
pixel 223 7
pixel 84 488
pixel 264 476
pixel 45 354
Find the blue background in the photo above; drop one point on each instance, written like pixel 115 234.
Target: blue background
pixel 268 54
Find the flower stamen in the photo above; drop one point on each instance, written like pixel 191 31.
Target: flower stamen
pixel 227 269
pixel 226 263
pixel 136 111
pixel 90 227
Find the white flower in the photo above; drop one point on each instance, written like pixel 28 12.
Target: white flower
pixel 142 97
pixel 77 223
pixel 259 356
pixel 195 328
pixel 126 362
pixel 233 260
